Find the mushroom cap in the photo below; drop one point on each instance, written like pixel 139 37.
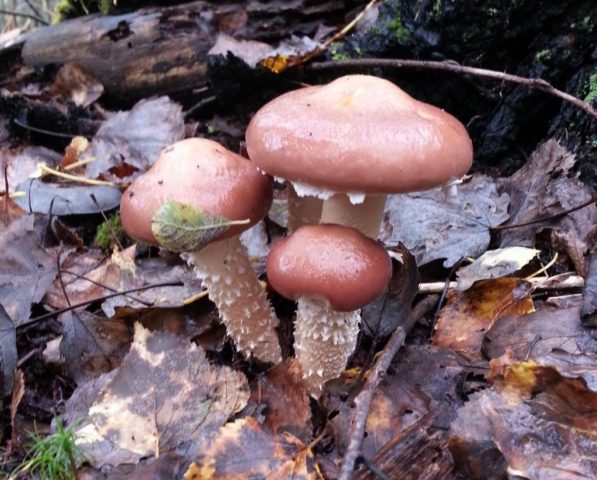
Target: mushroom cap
pixel 203 174
pixel 335 262
pixel 358 133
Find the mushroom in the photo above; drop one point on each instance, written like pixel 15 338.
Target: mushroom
pixel 331 271
pixel 353 141
pixel 197 198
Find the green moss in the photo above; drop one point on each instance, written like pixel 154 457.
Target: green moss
pixel 592 93
pixel 543 56
pixel 492 12
pixel 437 8
pixel 104 236
pixel 338 54
pixel 396 27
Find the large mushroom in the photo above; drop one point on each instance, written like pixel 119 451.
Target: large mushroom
pixel 331 271
pixel 353 141
pixel 197 198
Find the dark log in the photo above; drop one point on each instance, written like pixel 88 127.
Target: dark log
pixel 164 50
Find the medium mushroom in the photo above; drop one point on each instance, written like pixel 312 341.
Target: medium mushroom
pixel 353 141
pixel 331 271
pixel 197 198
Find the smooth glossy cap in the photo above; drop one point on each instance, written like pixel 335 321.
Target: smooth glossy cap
pixel 203 174
pixel 337 263
pixel 358 133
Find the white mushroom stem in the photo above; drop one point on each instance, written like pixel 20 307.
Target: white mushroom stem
pixel 302 210
pixel 365 216
pixel 233 286
pixel 324 339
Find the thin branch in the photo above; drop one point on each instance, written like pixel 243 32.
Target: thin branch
pixel 559 282
pixel 454 67
pixel 24 15
pixel 364 399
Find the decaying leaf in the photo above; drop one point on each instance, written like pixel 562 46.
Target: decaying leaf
pixel 433 228
pixel 543 186
pixel 135 138
pixel 185 228
pixel 26 269
pixel 164 393
pixel 20 166
pixel 243 449
pixel 589 306
pixel 284 400
pixel 8 353
pixel 543 423
pixel 395 407
pixel 75 83
pixel 465 318
pixel 537 333
pixel 66 199
pixel 494 264
pixel 381 317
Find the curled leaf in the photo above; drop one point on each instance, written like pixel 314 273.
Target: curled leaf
pixel 185 228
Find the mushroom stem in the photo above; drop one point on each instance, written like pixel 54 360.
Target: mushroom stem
pixel 233 286
pixel 365 216
pixel 302 210
pixel 324 339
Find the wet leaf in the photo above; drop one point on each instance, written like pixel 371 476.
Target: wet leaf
pixel 589 305
pixel 8 353
pixel 76 84
pixel 135 138
pixel 66 199
pixel 466 316
pixel 433 228
pixel 26 269
pixel 537 334
pixel 381 317
pixel 244 450
pixel 184 228
pixel 20 166
pixel 249 51
pixel 283 398
pixel 164 393
pixel 494 264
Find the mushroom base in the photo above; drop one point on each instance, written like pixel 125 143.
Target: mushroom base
pixel 365 216
pixel 233 286
pixel 323 341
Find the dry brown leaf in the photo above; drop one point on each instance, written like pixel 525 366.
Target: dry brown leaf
pixel 164 393
pixel 244 450
pixel 73 151
pixel 76 84
pixel 466 316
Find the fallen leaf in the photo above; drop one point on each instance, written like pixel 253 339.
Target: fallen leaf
pixel 8 353
pixel 75 83
pixel 589 306
pixel 73 151
pixel 536 333
pixel 433 228
pixel 244 450
pixel 544 186
pixel 396 406
pixel 21 166
pixel 494 264
pixel 466 316
pixel 249 51
pixel 66 199
pixel 135 138
pixel 570 364
pixel 381 317
pixel 284 400
pixel 164 393
pixel 26 269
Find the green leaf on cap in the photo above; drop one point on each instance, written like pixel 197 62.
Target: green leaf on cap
pixel 184 228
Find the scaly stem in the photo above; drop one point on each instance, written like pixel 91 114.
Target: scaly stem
pixel 233 286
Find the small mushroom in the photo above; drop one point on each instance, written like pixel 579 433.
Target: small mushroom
pixel 197 198
pixel 353 141
pixel 331 271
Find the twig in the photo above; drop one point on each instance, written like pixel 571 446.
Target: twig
pixel 24 15
pixel 74 178
pixel 34 320
pixel 573 281
pixel 364 399
pixel 16 121
pixel 454 67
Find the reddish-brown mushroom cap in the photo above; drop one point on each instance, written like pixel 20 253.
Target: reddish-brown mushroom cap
pixel 337 263
pixel 203 174
pixel 358 133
